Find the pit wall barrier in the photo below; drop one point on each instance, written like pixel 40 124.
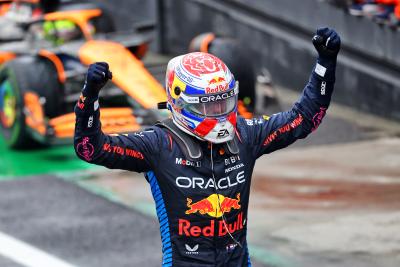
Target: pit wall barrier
pixel 277 36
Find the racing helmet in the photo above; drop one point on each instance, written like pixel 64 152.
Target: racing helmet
pixel 202 96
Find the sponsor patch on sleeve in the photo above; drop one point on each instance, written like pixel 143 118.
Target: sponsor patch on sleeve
pixel 320 70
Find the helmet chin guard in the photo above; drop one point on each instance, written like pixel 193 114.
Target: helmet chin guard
pixel 202 97
pixel 219 133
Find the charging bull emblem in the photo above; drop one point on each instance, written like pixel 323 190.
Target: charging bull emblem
pixel 215 205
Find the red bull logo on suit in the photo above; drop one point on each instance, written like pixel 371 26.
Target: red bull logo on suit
pixel 214 206
pixel 187 228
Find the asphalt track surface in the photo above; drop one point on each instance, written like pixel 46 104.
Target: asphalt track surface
pixel 77 226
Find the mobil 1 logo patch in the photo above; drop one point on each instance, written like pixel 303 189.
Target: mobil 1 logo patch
pixel 185 162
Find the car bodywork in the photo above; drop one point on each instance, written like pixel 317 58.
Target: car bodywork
pixel 132 82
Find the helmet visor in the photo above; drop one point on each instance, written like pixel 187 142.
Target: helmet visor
pixel 213 109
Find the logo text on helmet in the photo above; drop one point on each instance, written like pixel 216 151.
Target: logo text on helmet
pixel 182 76
pixel 217 85
pixel 190 99
pixel 223 133
pixel 213 98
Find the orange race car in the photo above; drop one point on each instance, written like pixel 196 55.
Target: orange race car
pixel 42 76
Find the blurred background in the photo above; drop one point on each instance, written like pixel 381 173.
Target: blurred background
pixel 330 200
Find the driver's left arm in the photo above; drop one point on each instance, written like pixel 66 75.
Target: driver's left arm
pixel 266 135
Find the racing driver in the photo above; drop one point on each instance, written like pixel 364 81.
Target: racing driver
pixel 199 162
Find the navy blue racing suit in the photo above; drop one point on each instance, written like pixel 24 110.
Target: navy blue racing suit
pixel 198 202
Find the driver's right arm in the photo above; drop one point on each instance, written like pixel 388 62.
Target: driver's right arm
pixel 135 152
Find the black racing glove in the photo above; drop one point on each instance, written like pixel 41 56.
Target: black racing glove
pixel 97 76
pixel 327 43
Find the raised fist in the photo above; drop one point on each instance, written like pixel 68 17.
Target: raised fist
pixel 327 43
pixel 97 76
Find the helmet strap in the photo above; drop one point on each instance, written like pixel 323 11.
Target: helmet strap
pixel 189 147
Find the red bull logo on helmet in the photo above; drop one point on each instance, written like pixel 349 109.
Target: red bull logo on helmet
pixel 214 206
pixel 216 80
pixel 216 85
